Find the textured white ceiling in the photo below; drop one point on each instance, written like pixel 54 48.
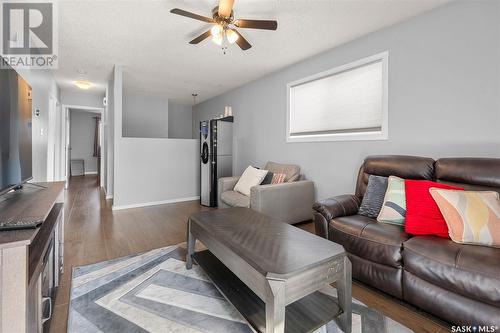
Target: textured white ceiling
pixel 152 44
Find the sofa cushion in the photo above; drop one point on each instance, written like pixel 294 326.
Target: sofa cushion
pixel 235 199
pixel 475 174
pixel 382 277
pixel 469 270
pixel 452 307
pixel 292 172
pixel 393 209
pixel 374 197
pixel 473 217
pixel 406 167
pixel 423 216
pixel 367 239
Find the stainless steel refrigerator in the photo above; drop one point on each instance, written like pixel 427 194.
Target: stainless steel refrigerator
pixel 216 148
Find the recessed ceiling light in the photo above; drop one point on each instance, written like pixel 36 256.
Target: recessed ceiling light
pixel 83 84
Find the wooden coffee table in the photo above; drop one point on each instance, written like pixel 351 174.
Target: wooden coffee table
pixel 272 271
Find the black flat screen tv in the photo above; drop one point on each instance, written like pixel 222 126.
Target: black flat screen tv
pixel 15 130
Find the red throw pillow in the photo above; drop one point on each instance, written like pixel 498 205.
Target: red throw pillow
pixel 423 216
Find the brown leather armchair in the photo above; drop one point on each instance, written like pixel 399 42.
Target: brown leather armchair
pixel 457 283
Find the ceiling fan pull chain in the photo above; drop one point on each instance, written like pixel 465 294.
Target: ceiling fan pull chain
pixel 225 43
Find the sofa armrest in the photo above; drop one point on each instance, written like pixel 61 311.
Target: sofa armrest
pixel 328 209
pixel 225 184
pixel 287 202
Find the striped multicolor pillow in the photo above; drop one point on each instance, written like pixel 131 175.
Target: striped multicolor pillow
pixel 278 178
pixel 394 207
pixel 473 217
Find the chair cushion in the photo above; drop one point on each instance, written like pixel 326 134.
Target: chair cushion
pixel 268 178
pixel 251 177
pixel 235 199
pixel 278 178
pixel 291 171
pixel 367 239
pixel 469 270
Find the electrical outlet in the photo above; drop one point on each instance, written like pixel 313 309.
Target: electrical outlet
pixel 41 131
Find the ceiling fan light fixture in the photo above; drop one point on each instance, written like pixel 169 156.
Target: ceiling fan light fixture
pixel 223 18
pixel 232 36
pixel 83 84
pixel 217 30
pixel 217 39
pixel 217 33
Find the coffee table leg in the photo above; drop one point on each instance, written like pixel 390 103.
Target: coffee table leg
pixel 275 307
pixel 190 246
pixel 345 298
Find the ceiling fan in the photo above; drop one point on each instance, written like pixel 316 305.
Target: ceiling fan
pixel 224 25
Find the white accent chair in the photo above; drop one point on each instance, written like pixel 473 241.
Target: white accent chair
pixel 289 202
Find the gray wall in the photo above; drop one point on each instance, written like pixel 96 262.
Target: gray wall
pixel 144 116
pixel 180 119
pixel 82 138
pixel 150 171
pixel 44 88
pixel 443 97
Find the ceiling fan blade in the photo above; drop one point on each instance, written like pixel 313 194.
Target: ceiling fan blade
pixel 242 42
pixel 200 38
pixel 256 24
pixel 225 7
pixel 191 15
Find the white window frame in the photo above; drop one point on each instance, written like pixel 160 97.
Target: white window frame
pixel 383 134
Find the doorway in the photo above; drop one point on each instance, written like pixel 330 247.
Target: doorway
pixel 83 139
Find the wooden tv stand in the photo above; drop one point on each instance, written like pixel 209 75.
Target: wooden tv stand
pixel 24 295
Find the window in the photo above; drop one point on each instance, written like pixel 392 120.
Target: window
pixel 345 103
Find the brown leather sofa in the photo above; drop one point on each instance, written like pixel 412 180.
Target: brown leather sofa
pixel 457 283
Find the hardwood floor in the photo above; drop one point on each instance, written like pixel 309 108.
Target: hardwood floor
pixel 93 233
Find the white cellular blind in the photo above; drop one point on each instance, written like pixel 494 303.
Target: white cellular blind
pixel 349 101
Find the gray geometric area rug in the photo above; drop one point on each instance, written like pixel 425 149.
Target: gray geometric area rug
pixel 153 292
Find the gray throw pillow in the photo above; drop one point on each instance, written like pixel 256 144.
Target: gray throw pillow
pixel 268 178
pixel 374 196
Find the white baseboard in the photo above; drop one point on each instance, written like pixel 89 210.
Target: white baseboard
pixel 155 203
pixel 91 173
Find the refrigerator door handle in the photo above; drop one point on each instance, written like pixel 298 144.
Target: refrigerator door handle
pixel 204 153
